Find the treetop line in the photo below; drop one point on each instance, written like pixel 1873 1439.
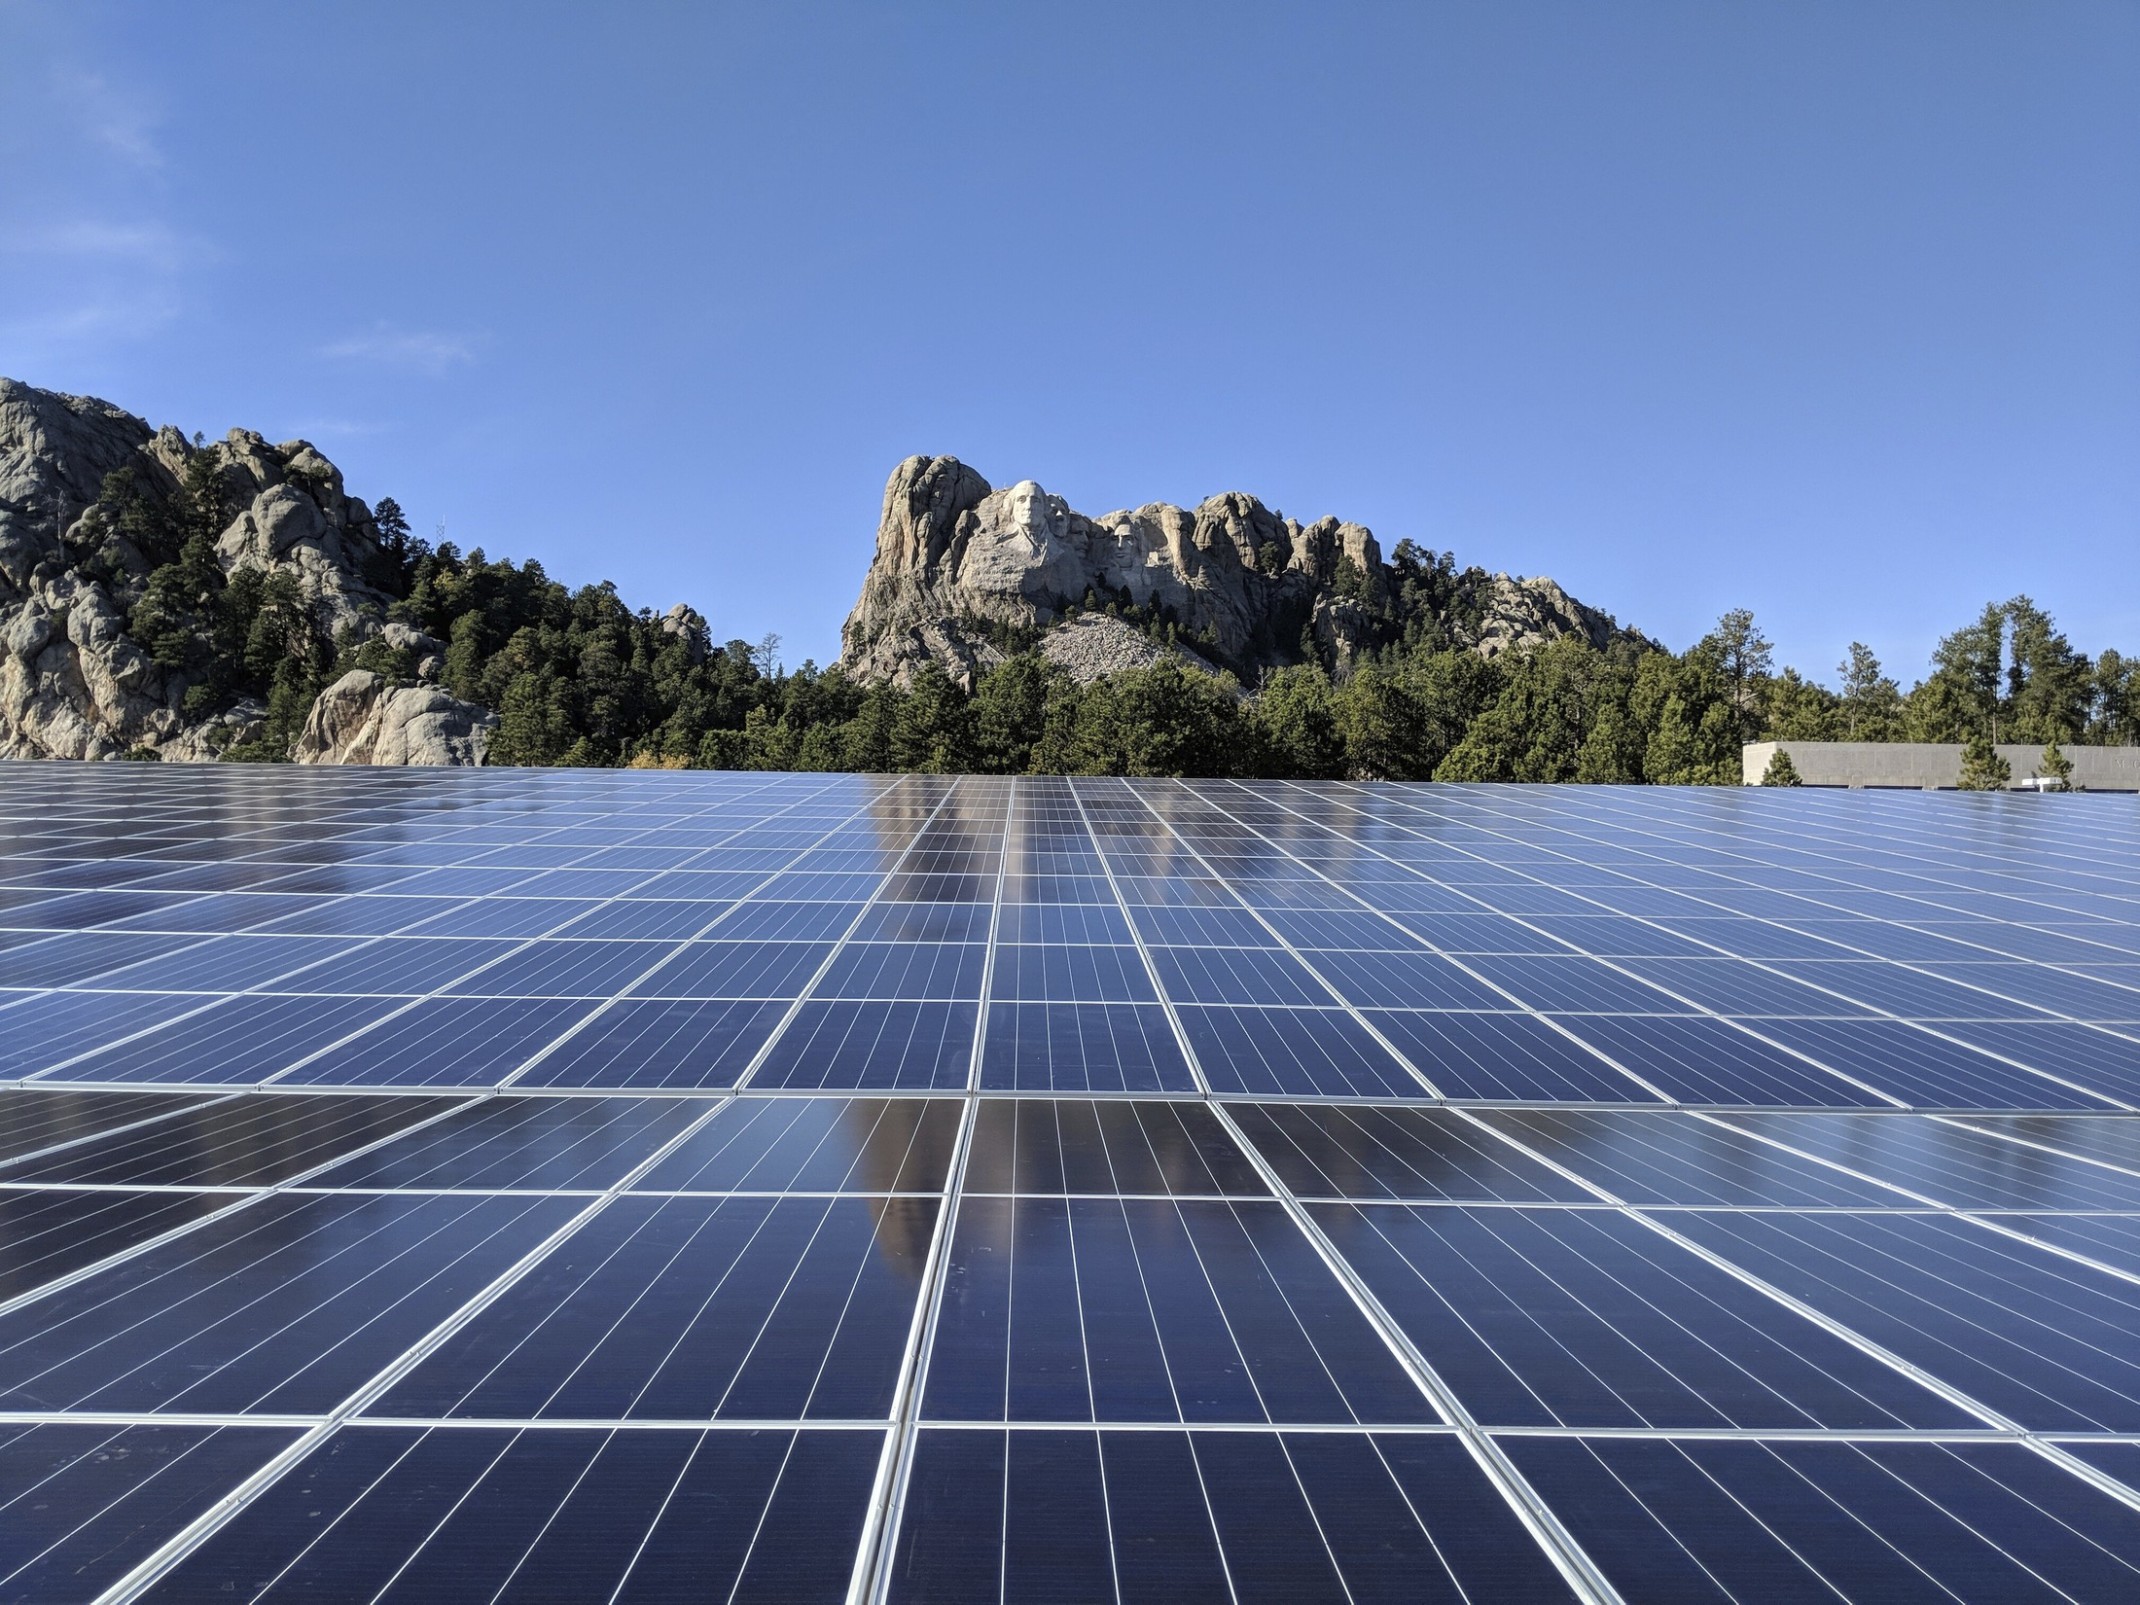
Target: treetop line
pixel 578 677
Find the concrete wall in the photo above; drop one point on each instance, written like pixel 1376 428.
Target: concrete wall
pixel 1924 765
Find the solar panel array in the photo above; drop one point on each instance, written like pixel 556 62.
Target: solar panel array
pixel 645 1186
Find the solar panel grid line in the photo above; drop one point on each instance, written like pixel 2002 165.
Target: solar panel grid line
pixel 2082 865
pixel 871 1580
pixel 442 989
pixel 191 1104
pixel 145 1574
pixel 1545 1527
pixel 871 1424
pixel 804 993
pixel 244 1199
pixel 216 1000
pixel 2036 1441
pixel 588 1021
pixel 1901 1160
pixel 1907 965
pixel 1279 938
pixel 1589 1048
pixel 1785 1047
pixel 1136 936
pixel 2020 1141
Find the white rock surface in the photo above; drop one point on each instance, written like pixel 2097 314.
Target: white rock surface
pixel 361 719
pixel 73 684
pixel 957 561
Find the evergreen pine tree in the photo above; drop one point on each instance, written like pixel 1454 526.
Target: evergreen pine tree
pixel 2055 765
pixel 1982 767
pixel 1781 771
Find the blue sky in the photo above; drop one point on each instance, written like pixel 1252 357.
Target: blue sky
pixel 1827 309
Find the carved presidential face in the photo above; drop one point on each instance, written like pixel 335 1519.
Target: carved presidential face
pixel 1027 505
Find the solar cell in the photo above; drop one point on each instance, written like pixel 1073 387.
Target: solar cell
pixel 1793 1521
pixel 1586 1318
pixel 1220 1517
pixel 412 1514
pixel 650 1186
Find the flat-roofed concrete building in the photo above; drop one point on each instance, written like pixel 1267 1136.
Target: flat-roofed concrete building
pixel 1934 765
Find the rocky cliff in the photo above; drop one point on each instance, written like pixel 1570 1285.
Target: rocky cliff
pixel 964 572
pixel 172 598
pixel 94 504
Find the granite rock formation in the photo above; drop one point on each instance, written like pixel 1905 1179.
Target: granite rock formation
pixel 362 719
pixel 74 682
pixel 963 570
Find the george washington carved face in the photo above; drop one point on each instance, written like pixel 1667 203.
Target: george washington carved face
pixel 1027 506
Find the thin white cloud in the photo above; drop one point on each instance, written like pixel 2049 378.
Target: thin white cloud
pixel 425 351
pixel 121 317
pixel 150 245
pixel 122 121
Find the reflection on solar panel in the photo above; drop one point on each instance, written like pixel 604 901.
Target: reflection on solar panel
pixel 595 1186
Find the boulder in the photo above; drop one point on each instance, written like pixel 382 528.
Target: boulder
pixel 687 625
pixel 73 684
pixel 362 719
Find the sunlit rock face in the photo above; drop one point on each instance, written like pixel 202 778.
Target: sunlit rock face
pixel 963 570
pixel 74 683
pixel 361 719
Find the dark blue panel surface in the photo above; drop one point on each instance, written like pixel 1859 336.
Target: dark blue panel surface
pixel 1659 1157
pixel 2050 1343
pixel 653 1045
pixel 52 1232
pixel 1137 1310
pixel 1505 1056
pixel 1082 1047
pixel 641 1517
pixel 919 1046
pixel 1033 1145
pixel 229 1142
pixel 32 1119
pixel 288 1305
pixel 538 1143
pixel 858 1145
pixel 1294 1053
pixel 238 1039
pixel 80 1505
pixel 1691 1059
pixel 1365 1152
pixel 1787 1522
pixel 694 1309
pixel 1159 1517
pixel 1584 1318
pixel 735 970
pixel 445 1042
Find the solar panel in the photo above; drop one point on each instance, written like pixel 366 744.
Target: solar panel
pixel 582 1185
